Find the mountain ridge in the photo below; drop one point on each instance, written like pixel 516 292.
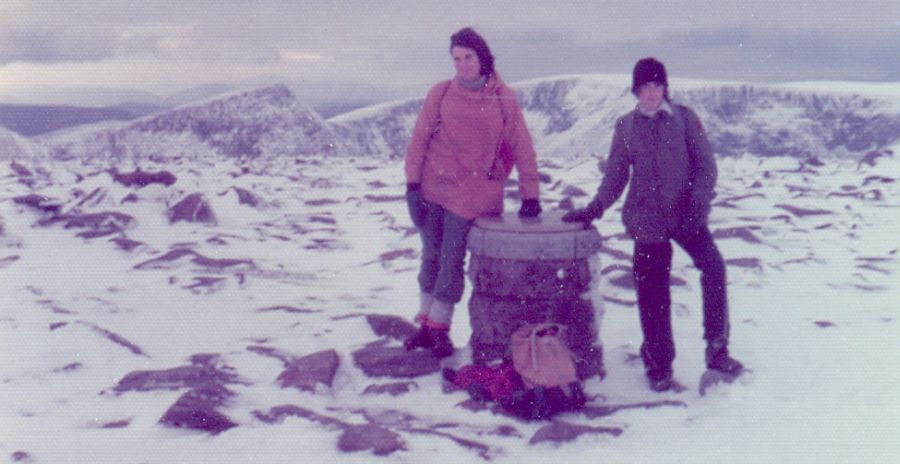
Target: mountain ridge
pixel 569 116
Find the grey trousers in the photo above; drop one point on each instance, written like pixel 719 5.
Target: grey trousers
pixel 444 236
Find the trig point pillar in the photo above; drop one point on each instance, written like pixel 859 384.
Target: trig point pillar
pixel 534 270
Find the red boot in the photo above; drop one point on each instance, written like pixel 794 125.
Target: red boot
pixel 420 339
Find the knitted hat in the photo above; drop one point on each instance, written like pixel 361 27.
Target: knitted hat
pixel 648 70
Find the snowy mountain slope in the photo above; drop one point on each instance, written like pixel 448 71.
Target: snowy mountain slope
pixel 570 117
pixel 97 286
pixel 14 146
pixel 573 116
pixel 243 124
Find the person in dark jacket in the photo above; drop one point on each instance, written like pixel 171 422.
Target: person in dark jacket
pixel 661 149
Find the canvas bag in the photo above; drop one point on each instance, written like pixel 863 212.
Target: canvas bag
pixel 540 355
pixel 546 368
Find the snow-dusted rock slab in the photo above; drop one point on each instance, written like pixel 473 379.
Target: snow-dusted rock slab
pixel 377 360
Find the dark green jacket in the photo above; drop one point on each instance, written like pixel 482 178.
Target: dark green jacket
pixel 672 172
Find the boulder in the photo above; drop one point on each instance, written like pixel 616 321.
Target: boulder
pixel 142 179
pixel 559 432
pixel 304 373
pixel 39 202
pixel 390 326
pixel 377 360
pixel 370 437
pixel 196 410
pixel 393 388
pixel 192 208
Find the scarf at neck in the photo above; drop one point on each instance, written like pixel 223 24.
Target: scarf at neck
pixel 664 106
pixel 474 85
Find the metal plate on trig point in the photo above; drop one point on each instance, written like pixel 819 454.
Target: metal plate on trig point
pixel 542 238
pixel 548 222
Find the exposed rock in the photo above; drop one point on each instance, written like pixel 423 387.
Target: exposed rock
pixel 744 233
pixel 20 170
pixel 245 197
pixel 408 253
pixel 115 338
pixel 593 411
pixel 192 208
pixel 6 261
pixel 142 178
pixel 505 431
pixel 277 414
pixel 204 285
pixel 206 378
pixel 752 263
pixel 801 212
pixel 626 280
pixel 120 424
pixel 380 361
pixel 21 456
pixel 165 261
pixel 304 373
pixel 287 309
pixel 126 243
pixel 370 437
pixel 566 204
pixel 573 191
pixel 196 409
pixel 321 202
pixel 393 389
pixel 39 202
pixel 562 431
pixel 69 367
pixel 383 198
pixel 390 326
pixel 204 369
pixel 870 158
pixel 98 224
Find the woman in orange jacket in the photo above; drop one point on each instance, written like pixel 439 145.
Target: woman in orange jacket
pixel 467 138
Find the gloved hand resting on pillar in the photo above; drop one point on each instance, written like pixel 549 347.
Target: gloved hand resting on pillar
pixel 594 210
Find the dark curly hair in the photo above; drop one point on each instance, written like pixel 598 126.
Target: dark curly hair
pixel 468 38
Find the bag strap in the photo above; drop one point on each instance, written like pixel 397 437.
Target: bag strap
pixel 437 123
pixel 535 330
pixel 498 159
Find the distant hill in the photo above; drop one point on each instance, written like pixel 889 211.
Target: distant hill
pixel 573 117
pixel 268 121
pixel 31 120
pixel 569 117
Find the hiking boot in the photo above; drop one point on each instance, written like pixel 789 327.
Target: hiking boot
pixel 725 364
pixel 660 380
pixel 420 339
pixel 717 359
pixel 660 384
pixel 441 346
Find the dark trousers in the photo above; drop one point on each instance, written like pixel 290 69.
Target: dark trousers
pixel 444 237
pixel 652 267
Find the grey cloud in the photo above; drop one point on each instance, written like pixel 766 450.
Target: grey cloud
pixel 45 45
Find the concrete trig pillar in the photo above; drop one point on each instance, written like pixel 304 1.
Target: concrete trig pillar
pixel 534 270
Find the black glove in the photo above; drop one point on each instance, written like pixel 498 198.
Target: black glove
pixel 594 210
pixel 416 203
pixel 530 208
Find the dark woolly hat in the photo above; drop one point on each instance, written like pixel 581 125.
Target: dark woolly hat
pixel 468 38
pixel 648 70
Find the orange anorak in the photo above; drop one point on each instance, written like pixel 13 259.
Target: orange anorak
pixel 464 145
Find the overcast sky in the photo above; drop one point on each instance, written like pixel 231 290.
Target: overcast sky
pixel 396 49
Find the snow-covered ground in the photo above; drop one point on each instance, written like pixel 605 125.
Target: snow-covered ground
pixel 813 254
